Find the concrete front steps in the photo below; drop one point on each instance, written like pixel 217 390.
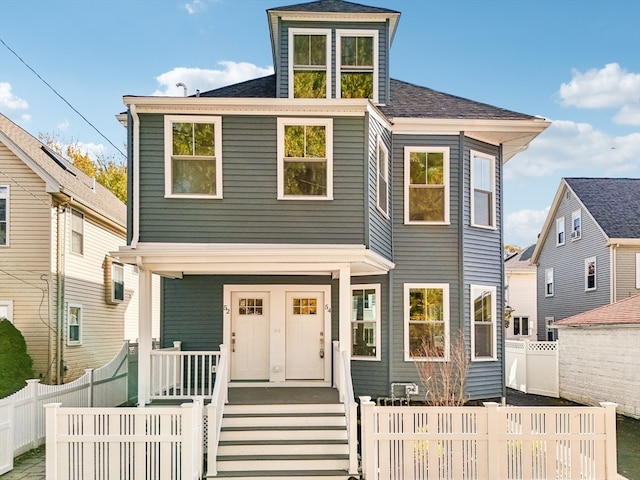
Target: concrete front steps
pixel 283 442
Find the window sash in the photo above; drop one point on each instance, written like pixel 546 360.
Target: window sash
pixel 357 64
pixel 77 232
pixel 483 183
pixel 426 185
pixel 590 274
pixel 548 276
pixel 484 318
pixel 560 231
pixel 74 325
pixel 4 215
pixel 117 279
pixel 365 322
pixel 309 63
pixel 427 322
pixel 382 167
pixel 576 225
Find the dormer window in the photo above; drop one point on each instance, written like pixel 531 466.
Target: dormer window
pixel 357 64
pixel 310 71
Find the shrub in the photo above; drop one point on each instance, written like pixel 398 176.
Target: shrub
pixel 15 362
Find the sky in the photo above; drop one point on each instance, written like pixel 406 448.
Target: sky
pixel 66 64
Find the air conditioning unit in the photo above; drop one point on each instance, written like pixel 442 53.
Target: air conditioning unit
pixel 575 234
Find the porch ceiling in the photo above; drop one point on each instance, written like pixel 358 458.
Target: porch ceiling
pixel 177 259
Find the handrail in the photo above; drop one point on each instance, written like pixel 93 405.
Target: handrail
pixel 345 389
pixel 215 410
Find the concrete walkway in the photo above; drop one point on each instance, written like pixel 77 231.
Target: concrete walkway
pixel 30 466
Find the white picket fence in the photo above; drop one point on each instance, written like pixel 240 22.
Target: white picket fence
pixel 532 367
pixel 127 443
pixel 490 442
pixel 22 417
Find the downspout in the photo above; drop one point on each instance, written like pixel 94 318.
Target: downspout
pixel 60 261
pixel 135 182
pixel 461 230
pixel 501 305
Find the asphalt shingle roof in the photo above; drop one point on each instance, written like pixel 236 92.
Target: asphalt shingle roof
pixel 613 202
pixel 263 87
pixel 521 260
pixel 332 6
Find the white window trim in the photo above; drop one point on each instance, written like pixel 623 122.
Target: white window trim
pixel 587 261
pixel 71 211
pixel 357 33
pixel 8 212
pixel 548 271
pixel 407 179
pixel 326 122
pixel 447 321
pixel 168 151
pixel 375 287
pixel 9 305
pixel 69 307
pixel 310 31
pixel 385 173
pixel 560 229
pixel 494 324
pixel 637 270
pixel 492 159
pixel 576 234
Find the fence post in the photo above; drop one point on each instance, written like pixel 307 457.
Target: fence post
pixel 494 458
pixel 212 440
pixel 526 367
pixel 36 415
pixel 611 460
pixel 366 437
pixel 89 373
pixel 51 458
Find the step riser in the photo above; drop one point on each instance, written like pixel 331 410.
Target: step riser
pixel 279 465
pixel 278 421
pixel 300 449
pixel 268 476
pixel 275 435
pixel 319 408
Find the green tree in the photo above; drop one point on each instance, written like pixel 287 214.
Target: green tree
pixel 15 361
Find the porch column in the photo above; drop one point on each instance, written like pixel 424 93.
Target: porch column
pixel 344 320
pixel 144 336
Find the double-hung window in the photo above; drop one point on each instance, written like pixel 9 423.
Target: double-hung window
pixel 77 232
pixel 548 282
pixel 426 180
pixel 426 315
pixel 560 231
pixel 365 322
pixel 357 61
pixel 117 281
pixel 309 65
pixel 193 156
pixel 484 317
pixel 4 215
pixel 483 182
pixel 74 324
pixel 382 174
pixel 521 326
pixel 305 158
pixel 576 225
pixel 590 274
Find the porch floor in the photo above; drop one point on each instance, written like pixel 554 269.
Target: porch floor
pixel 279 395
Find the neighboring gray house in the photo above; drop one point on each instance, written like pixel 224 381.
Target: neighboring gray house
pixel 324 203
pixel 588 254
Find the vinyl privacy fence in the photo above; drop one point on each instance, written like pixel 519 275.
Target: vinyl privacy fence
pixel 490 442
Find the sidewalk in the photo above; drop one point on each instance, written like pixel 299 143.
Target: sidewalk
pixel 29 466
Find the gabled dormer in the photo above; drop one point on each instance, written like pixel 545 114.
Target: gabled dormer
pixel 332 49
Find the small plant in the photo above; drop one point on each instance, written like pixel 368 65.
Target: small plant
pixel 444 381
pixel 16 364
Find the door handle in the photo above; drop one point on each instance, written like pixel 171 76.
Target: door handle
pixel 322 353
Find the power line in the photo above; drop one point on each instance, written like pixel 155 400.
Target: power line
pixel 62 98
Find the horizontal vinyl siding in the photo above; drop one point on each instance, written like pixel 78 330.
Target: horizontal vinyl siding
pixel 250 209
pixel 567 261
pixel 25 264
pixel 626 272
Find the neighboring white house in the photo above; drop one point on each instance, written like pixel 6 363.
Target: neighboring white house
pixel 58 284
pixel 520 295
pixel 599 356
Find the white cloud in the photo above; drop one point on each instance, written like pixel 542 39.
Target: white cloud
pixel 525 225
pixel 568 148
pixel 207 79
pixel 9 100
pixel 63 125
pixel 194 7
pixel 609 87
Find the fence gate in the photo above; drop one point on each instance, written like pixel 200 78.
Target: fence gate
pixel 6 437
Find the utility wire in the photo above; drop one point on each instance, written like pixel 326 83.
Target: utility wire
pixel 62 98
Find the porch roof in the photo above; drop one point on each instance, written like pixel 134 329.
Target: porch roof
pixel 177 259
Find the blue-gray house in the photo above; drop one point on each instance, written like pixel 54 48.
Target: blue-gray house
pixel 325 208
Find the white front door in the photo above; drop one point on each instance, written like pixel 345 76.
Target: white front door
pixel 306 346
pixel 250 336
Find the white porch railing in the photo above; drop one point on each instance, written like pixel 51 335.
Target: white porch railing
pixel 181 375
pixel 342 377
pixel 532 367
pixel 490 442
pixel 151 443
pixel 215 410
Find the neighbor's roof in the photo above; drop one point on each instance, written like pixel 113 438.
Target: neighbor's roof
pixel 59 174
pixel 612 202
pixel 625 311
pixel 521 261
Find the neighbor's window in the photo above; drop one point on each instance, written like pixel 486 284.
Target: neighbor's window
pixel 483 181
pixel 426 335
pixel 560 231
pixel 576 225
pixel 548 282
pixel 382 174
pixel 309 68
pixel 357 64
pixel 193 156
pixel 590 273
pixel 117 282
pixel 4 215
pixel 365 322
pixel 74 324
pixel 77 232
pixel 484 317
pixel 521 326
pixel 305 163
pixel 426 175
pixel 6 310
